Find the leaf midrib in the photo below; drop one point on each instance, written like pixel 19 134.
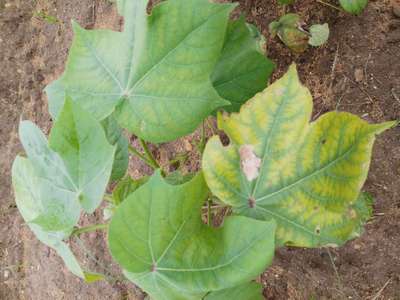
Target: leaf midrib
pixel 230 261
pixel 306 177
pixel 170 52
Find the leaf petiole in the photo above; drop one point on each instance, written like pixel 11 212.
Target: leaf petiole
pixel 209 212
pixel 150 157
pixel 89 228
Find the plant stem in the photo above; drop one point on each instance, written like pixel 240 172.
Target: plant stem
pixel 133 151
pixel 209 213
pixel 108 198
pixel 90 228
pixel 150 157
pixel 201 145
pixel 210 126
pixel 330 5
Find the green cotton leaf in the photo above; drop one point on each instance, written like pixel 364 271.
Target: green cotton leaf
pixel 306 176
pixel 81 143
pixel 242 70
pixel 159 239
pixel 289 31
pixel 247 291
pixel 155 76
pixel 126 187
pixel 319 34
pixel 354 7
pixel 116 138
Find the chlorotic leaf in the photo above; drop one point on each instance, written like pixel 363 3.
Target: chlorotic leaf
pixel 242 70
pixel 116 138
pixel 159 239
pixel 156 75
pixel 81 143
pixel 354 7
pixel 309 175
pixel 319 34
pixel 247 291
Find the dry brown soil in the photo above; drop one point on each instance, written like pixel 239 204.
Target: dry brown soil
pixel 358 70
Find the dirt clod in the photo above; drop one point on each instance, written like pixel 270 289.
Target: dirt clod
pixel 359 75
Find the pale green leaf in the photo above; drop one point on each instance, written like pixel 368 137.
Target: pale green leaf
pixel 33 194
pixel 158 238
pixel 51 187
pixel 155 75
pixel 242 70
pixel 354 7
pixel 80 141
pixel 306 176
pixel 247 291
pixel 116 138
pixel 319 34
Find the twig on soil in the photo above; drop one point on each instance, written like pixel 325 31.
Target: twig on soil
pixel 330 5
pixel 361 89
pixel 366 67
pixel 335 60
pixel 335 269
pixel 381 290
pixel 395 96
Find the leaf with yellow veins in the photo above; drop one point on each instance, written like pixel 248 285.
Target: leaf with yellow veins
pixel 309 175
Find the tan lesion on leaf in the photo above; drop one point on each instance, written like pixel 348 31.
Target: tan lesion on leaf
pixel 249 162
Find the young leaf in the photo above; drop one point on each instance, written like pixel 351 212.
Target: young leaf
pixel 354 7
pixel 158 238
pixel 38 198
pixel 289 31
pixel 116 138
pixel 279 166
pixel 156 75
pixel 54 182
pixel 247 291
pixel 319 34
pixel 242 70
pixel 81 143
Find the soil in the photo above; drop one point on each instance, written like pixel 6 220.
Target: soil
pixel 358 70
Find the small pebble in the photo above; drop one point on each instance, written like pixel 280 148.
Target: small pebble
pixel 188 146
pixel 7 274
pixel 359 75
